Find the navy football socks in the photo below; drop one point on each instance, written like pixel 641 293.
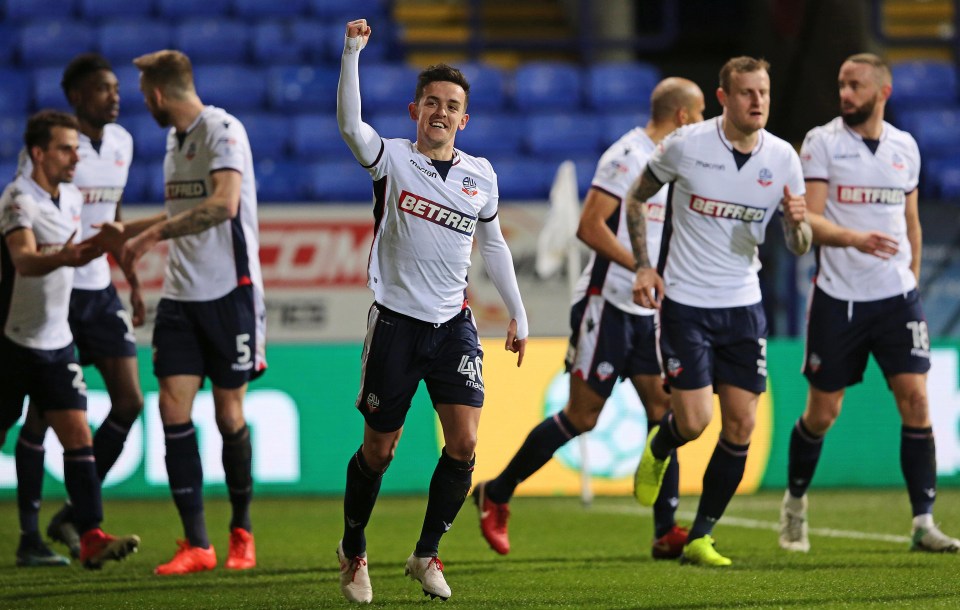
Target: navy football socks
pixel 29 454
pixel 237 466
pixel 186 481
pixel 448 489
pixel 805 448
pixel 720 481
pixel 359 497
pixel 918 460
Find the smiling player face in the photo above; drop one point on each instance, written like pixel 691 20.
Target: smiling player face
pixel 440 112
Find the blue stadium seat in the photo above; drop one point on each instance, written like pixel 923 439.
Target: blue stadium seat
pixel 272 43
pixel 491 134
pixel 231 87
pixel 106 9
pixel 149 139
pixel 22 10
pixel 279 181
pixel 937 132
pixel 345 11
pixel 933 171
pixel 316 136
pixel 212 40
pixel 53 43
pixel 586 167
pixel 620 85
pixel 144 183
pixel 46 89
pixel 121 40
pixel 131 99
pixel 387 87
pixel 563 135
pixel 948 183
pixel 523 178
pixel 11 141
pixel 488 87
pixel 302 88
pixel 15 93
pixel 394 125
pixel 8 43
pixel 269 133
pixel 258 9
pixel 613 126
pixel 923 84
pixel 8 170
pixel 545 86
pixel 340 181
pixel 185 9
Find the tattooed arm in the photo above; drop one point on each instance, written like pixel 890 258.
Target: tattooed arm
pixel 223 204
pixel 648 285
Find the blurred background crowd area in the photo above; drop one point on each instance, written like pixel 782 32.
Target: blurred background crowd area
pixel 551 80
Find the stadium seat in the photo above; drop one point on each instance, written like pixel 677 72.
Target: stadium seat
pixel 212 40
pixel 272 43
pixel 923 84
pixel 624 86
pixel 279 181
pixel 137 179
pixel 53 43
pixel 561 136
pixel 22 10
pixel 613 126
pixel 488 87
pixel 106 9
pixel 269 134
pixel 11 140
pixel 258 9
pixel 46 89
pixel 8 170
pixel 491 134
pixel 149 139
pixel 340 181
pixel 394 125
pixel 302 88
pixel 186 9
pixel 937 131
pixel 15 92
pixel 345 11
pixel 545 86
pixel 121 40
pixel 231 87
pixel 948 183
pixel 523 178
pixel 316 136
pixel 8 44
pixel 131 98
pixel 387 87
pixel 585 167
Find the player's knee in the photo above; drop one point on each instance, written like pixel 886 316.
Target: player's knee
pixel 739 429
pixel 229 423
pixel 378 457
pixel 462 448
pixel 583 420
pixel 913 408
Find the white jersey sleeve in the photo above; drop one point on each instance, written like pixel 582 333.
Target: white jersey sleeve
pixel 665 161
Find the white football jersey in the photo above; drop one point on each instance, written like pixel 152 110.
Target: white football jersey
pixel 867 192
pixel 616 171
pixel 717 214
pixel 424 228
pixel 208 265
pixel 101 176
pixel 36 308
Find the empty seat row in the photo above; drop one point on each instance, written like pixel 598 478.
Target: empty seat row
pixel 87 10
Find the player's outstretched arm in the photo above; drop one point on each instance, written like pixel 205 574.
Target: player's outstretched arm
pixel 496 256
pixel 796 228
pixel 362 139
pixel 30 262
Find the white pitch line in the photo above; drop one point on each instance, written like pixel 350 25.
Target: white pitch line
pixel 772 526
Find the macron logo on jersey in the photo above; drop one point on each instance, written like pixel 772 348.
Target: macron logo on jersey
pixel 437 214
pixel 185 190
pixel 108 194
pixel 722 209
pixel 868 194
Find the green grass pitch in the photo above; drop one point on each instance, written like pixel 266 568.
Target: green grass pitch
pixel 564 556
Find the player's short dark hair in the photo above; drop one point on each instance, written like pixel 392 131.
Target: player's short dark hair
pixel 80 67
pixel 40 126
pixel 740 65
pixel 444 73
pixel 168 70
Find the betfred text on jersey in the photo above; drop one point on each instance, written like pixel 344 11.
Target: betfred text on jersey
pixel 723 209
pixel 869 194
pixel 190 189
pixel 103 194
pixel 437 214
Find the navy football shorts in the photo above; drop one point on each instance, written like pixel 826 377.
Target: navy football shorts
pixel 215 339
pixel 842 334
pixel 101 327
pixel 53 379
pixel 400 351
pixel 607 344
pixel 701 347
